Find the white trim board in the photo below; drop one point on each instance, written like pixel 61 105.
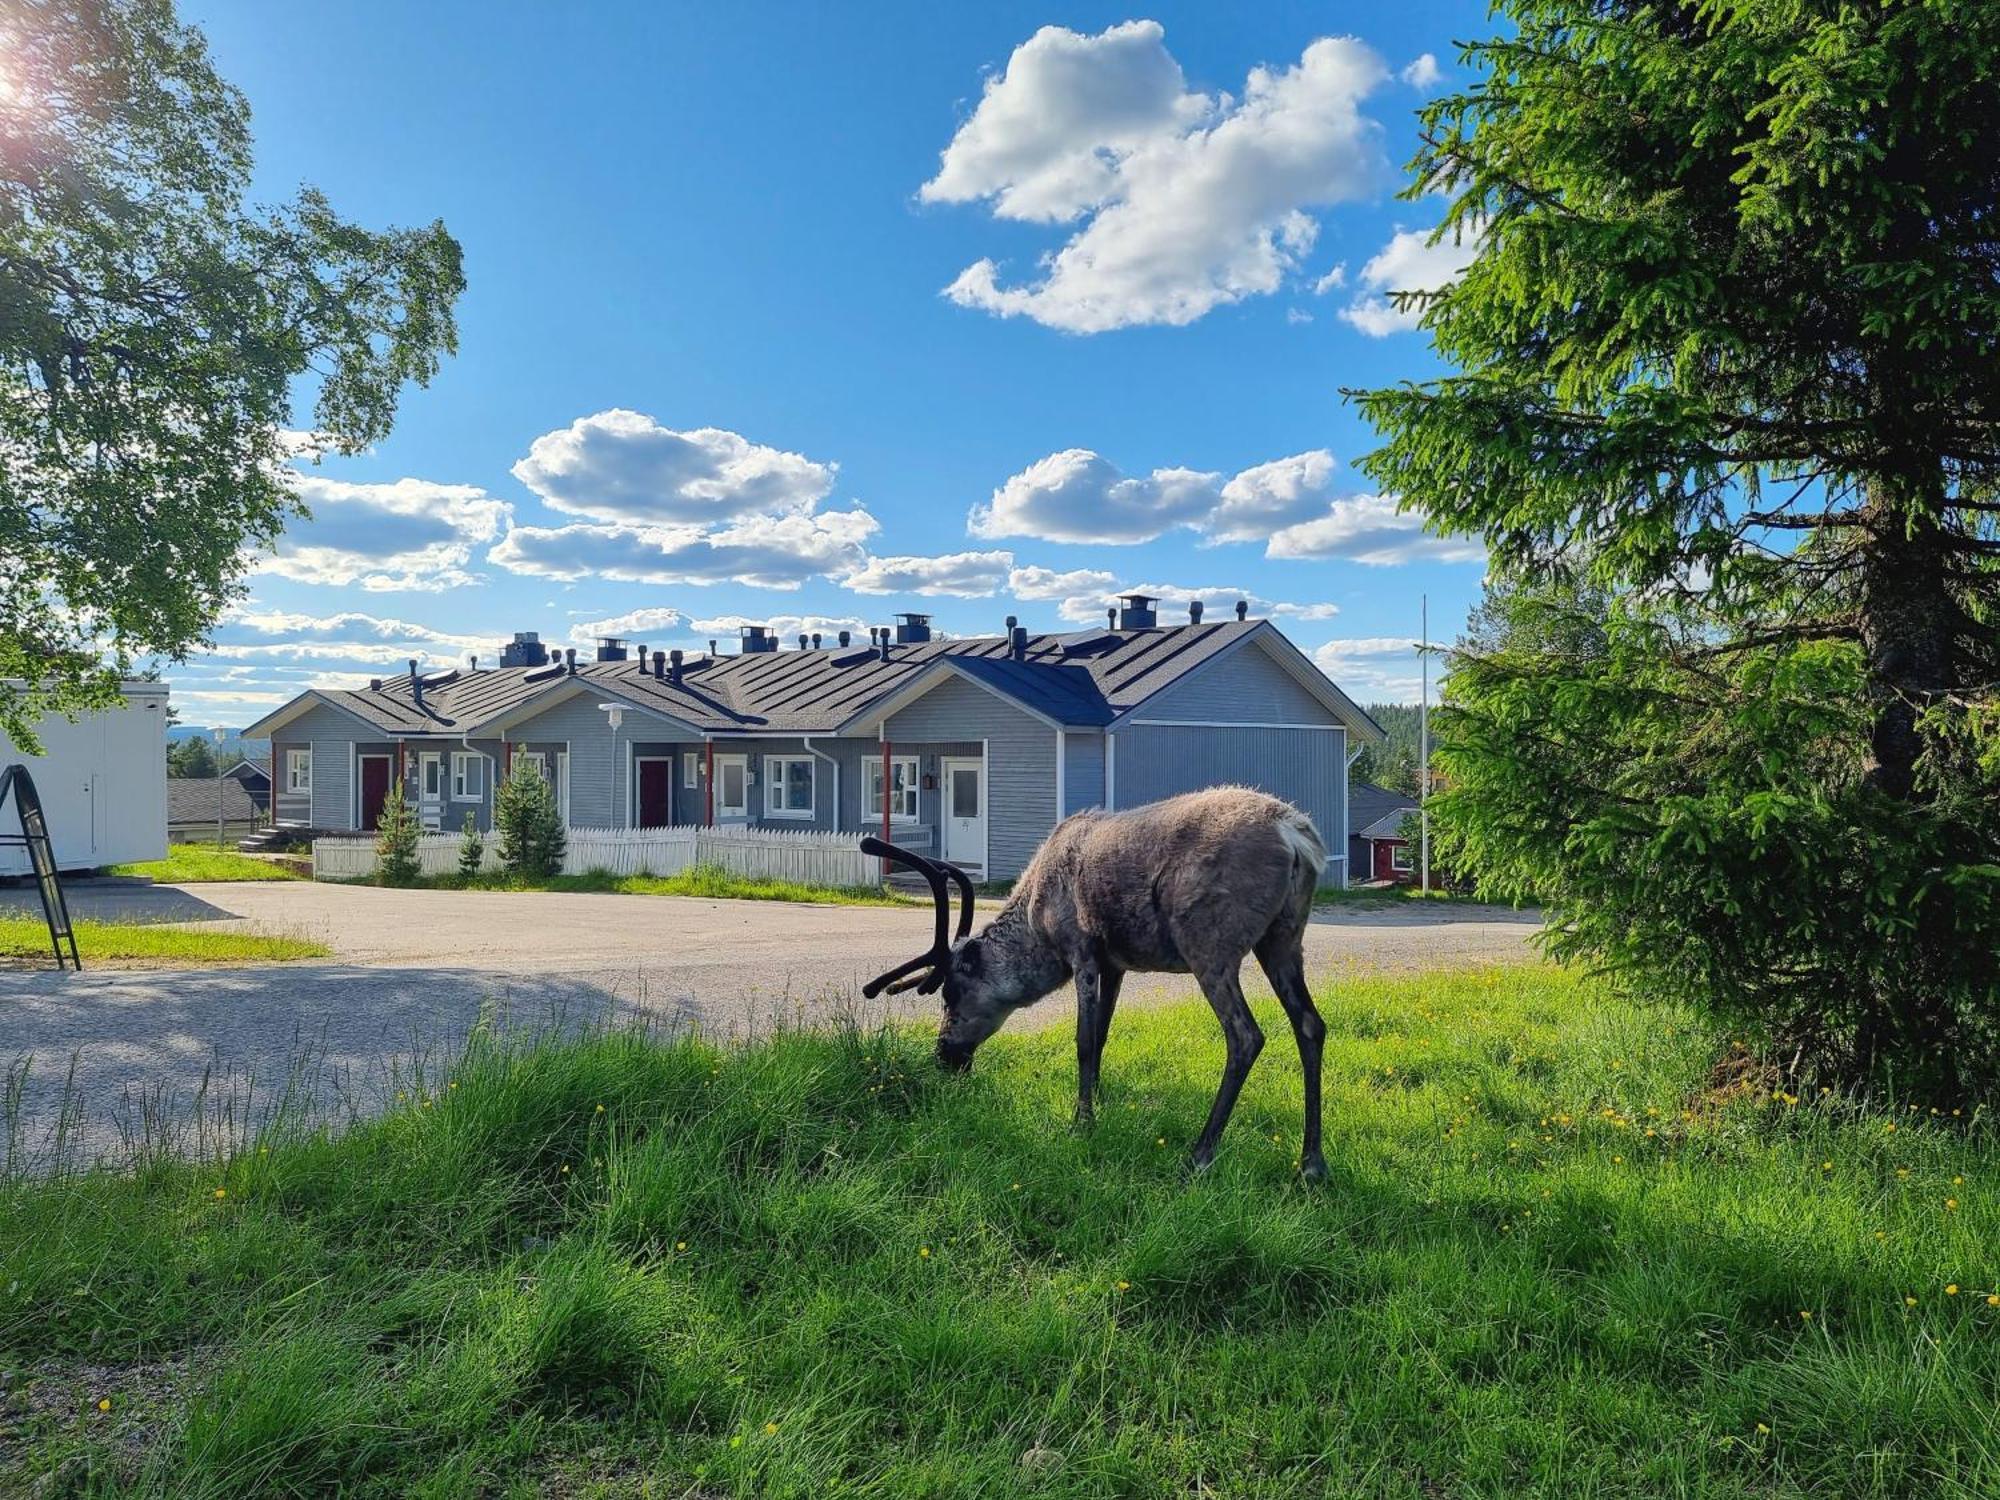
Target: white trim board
pixel 1228 724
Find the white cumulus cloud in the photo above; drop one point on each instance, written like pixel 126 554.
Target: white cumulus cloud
pixel 1374 669
pixel 774 552
pixel 1045 583
pixel 1424 72
pixel 1184 201
pixel 1408 263
pixel 1371 529
pixel 1080 496
pixel 964 575
pixel 624 467
pixel 405 534
pixel 1217 603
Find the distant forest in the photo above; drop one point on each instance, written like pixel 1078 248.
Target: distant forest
pixel 1392 766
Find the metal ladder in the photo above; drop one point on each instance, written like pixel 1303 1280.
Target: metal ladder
pixel 34 837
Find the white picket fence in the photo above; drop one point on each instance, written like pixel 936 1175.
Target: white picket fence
pixel 778 853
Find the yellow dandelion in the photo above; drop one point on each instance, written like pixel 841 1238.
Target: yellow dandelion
pixel 1616 1160
pixel 1993 1299
pixel 1826 1166
pixel 1805 1315
pixel 221 1193
pixel 1762 1428
pixel 1124 1286
pixel 680 1244
pixel 923 1252
pixel 1951 1205
pixel 1016 1188
pixel 104 1403
pixel 1902 1171
pixel 1958 1182
pixel 770 1429
pixel 1890 1128
pixel 600 1109
pixel 736 1441
pixel 565 1168
pixel 1909 1302
pixel 1951 1289
pixel 1163 1140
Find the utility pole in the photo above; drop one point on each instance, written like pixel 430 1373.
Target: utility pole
pixel 1424 749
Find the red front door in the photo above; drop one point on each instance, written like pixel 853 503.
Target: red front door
pixel 374 788
pixel 656 793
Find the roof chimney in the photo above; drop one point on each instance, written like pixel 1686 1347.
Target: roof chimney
pixel 1242 609
pixel 1137 612
pixel 1194 611
pixel 525 650
pixel 912 630
pixel 660 663
pixel 1017 641
pixel 675 657
pixel 609 648
pixel 757 639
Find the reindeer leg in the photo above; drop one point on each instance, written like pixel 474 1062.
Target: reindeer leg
pixel 1089 1040
pixel 1243 1038
pixel 1109 981
pixel 1284 964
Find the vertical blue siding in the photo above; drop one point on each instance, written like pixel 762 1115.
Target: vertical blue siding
pixel 1306 767
pixel 1083 773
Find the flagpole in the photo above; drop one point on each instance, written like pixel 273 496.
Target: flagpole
pixel 1424 749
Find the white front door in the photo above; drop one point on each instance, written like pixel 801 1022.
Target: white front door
pixel 430 790
pixel 964 812
pixel 732 788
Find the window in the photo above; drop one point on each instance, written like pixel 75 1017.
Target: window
pixel 1399 859
pixel 298 771
pixel 788 786
pixel 468 776
pixel 691 769
pixel 902 787
pixel 532 760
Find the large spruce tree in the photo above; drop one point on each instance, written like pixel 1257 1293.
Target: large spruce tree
pixel 1730 353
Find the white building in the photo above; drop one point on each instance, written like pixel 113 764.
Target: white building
pixel 103 784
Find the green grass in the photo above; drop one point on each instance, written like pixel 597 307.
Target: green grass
pixel 1391 895
pixel 27 938
pixel 710 881
pixel 187 864
pixel 1551 1261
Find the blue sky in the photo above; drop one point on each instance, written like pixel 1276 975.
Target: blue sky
pixel 812 314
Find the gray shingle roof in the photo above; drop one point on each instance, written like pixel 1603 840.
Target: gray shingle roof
pixel 191 799
pixel 1368 804
pixel 1079 677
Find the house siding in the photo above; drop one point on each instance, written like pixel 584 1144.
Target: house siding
pixel 1306 767
pixel 1243 687
pixel 1083 773
pixel 1020 764
pixel 597 772
pixel 329 734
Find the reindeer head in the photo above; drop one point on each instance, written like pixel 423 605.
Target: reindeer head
pixel 983 980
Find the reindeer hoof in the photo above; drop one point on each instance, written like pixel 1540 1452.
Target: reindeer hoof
pixel 1083 1122
pixel 1313 1170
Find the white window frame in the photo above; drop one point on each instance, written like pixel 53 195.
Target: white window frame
pixel 539 759
pixel 776 782
pixel 912 788
pixel 461 761
pixel 729 810
pixel 299 771
pixel 691 770
pixel 1402 859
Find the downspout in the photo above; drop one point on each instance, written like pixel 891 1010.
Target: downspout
pixel 807 741
pixel 708 783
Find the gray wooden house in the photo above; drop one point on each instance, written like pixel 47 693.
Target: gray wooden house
pixel 974 747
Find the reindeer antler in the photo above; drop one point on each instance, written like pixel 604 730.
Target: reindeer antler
pixel 939 955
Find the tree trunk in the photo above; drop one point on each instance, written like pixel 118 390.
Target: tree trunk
pixel 1907 615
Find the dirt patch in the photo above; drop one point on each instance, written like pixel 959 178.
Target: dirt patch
pixel 68 1427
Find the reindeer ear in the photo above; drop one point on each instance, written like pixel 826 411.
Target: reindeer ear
pixel 969 956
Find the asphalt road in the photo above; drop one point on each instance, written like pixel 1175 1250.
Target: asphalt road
pixel 114 1056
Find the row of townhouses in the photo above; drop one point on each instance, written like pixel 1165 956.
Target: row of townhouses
pixel 973 747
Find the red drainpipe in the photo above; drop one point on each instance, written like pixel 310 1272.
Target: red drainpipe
pixel 708 782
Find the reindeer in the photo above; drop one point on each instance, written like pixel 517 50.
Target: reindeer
pixel 1186 886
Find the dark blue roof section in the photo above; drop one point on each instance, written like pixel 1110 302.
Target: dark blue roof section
pixel 1069 695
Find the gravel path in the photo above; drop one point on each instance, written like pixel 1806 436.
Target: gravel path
pixel 411 971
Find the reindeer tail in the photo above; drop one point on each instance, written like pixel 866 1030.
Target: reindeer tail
pixel 1299 835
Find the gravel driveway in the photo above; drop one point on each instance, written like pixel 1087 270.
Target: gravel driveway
pixel 411 971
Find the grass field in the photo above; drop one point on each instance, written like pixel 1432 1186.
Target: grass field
pixel 1553 1259
pixel 710 881
pixel 26 938
pixel 188 864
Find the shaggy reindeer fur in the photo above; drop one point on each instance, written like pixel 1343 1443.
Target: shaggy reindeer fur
pixel 1190 885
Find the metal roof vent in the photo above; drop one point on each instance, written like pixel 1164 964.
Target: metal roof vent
pixel 1137 612
pixel 1242 609
pixel 1194 611
pixel 674 656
